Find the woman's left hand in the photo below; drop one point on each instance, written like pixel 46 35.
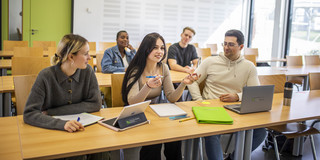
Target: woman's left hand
pixel 191 78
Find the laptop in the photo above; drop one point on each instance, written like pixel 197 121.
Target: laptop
pixel 127 111
pixel 254 99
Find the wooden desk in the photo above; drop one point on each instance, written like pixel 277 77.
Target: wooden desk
pixel 9 139
pixel 271 60
pixel 38 143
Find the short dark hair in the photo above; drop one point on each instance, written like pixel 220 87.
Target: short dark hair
pixel 236 33
pixel 190 29
pixel 118 34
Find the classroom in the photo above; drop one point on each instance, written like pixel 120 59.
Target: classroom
pixel 146 79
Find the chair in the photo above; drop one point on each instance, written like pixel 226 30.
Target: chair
pixel 195 45
pixel 90 62
pixel 295 61
pixel 213 47
pixel 116 96
pixel 252 58
pixel 314 81
pixel 99 59
pixel 277 80
pixel 44 44
pixel 29 65
pixel 312 60
pixel 28 52
pixel 203 52
pixel 22 88
pixel 9 45
pixel 92 46
pixel 251 51
pixel 105 45
pixel 51 51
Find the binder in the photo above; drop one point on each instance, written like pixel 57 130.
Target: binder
pixel 214 115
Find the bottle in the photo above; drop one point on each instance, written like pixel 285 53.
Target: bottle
pixel 287 93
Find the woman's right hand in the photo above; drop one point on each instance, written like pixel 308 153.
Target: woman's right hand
pixel 154 82
pixel 73 126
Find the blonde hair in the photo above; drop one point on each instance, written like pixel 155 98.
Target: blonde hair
pixel 69 44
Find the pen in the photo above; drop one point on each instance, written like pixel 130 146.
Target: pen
pixel 187 119
pixel 78 119
pixel 153 76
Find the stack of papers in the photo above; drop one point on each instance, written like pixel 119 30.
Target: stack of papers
pixel 167 110
pixel 85 118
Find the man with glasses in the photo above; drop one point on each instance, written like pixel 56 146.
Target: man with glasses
pixel 182 56
pixel 225 77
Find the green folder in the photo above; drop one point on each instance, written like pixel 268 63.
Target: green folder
pixel 214 115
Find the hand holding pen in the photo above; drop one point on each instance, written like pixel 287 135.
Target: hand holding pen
pixel 191 78
pixel 73 126
pixel 154 81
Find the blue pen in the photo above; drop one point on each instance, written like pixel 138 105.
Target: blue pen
pixel 78 119
pixel 153 76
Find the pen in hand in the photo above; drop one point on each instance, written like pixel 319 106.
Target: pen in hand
pixel 153 76
pixel 78 119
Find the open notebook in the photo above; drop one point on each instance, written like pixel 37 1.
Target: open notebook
pixel 85 118
pixel 167 110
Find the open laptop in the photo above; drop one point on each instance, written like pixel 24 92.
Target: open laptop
pixel 127 111
pixel 254 99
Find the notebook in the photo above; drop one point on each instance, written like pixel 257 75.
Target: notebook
pixel 85 118
pixel 214 115
pixel 254 99
pixel 167 110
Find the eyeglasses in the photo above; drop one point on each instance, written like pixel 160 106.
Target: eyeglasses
pixel 229 44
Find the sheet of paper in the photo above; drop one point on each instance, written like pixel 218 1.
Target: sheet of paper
pixel 85 118
pixel 167 110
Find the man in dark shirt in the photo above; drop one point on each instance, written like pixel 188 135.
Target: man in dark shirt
pixel 182 56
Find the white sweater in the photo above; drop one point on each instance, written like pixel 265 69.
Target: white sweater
pixel 223 76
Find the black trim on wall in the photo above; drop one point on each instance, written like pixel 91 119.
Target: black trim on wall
pixel 289 28
pixel 251 20
pixel 1 24
pixel 72 13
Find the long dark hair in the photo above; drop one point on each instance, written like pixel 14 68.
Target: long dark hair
pixel 138 63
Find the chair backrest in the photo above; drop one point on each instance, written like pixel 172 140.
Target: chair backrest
pixel 203 52
pixel 51 51
pixel 312 60
pixel 105 45
pixel 252 58
pixel 99 59
pixel 116 86
pixel 28 52
pixel 195 45
pixel 9 45
pixel 29 65
pixel 44 44
pixel 22 88
pixel 314 81
pixel 213 47
pixel 92 46
pixel 294 61
pixel 251 51
pixel 90 62
pixel 277 80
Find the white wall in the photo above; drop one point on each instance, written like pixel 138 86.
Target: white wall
pixel 100 20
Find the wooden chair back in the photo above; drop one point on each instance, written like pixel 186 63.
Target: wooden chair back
pixel 99 59
pixel 277 80
pixel 195 45
pixel 203 52
pixel 51 51
pixel 213 47
pixel 28 52
pixel 251 51
pixel 92 46
pixel 9 45
pixel 252 58
pixel 312 60
pixel 44 44
pixel 294 61
pixel 116 96
pixel 105 45
pixel 314 81
pixel 22 88
pixel 90 62
pixel 29 65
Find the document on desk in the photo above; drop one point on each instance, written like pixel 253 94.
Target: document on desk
pixel 167 110
pixel 85 118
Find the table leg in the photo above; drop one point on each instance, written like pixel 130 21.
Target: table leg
pixel 187 149
pixel 240 138
pixel 305 83
pixel 248 144
pixel 1 104
pixel 7 104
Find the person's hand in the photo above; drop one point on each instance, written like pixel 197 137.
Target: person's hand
pixel 229 97
pixel 130 47
pixel 45 112
pixel 191 78
pixel 154 82
pixel 189 69
pixel 73 126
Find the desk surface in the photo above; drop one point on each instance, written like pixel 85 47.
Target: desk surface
pixel 42 143
pixel 289 71
pixel 5 63
pixel 9 139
